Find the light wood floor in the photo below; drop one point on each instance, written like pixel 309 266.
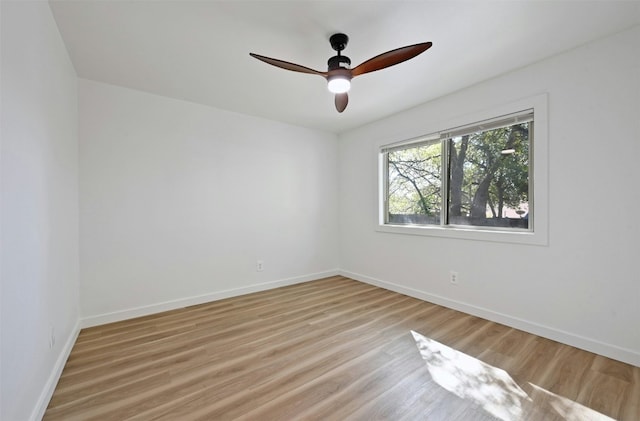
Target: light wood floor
pixel 334 349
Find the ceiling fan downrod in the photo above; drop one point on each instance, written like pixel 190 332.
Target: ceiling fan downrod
pixel 339 42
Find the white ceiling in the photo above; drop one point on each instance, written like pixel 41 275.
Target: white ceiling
pixel 199 50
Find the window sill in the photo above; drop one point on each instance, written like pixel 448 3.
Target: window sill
pixel 500 236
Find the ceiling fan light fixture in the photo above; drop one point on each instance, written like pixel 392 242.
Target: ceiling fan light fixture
pixel 339 84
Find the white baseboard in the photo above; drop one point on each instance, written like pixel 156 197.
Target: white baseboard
pixel 56 371
pixel 617 353
pixel 200 299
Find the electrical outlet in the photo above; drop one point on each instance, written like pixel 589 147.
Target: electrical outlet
pixel 259 266
pixel 453 278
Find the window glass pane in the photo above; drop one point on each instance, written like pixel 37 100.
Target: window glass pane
pixel 414 193
pixel 489 178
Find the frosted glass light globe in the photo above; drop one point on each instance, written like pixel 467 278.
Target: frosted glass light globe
pixel 339 85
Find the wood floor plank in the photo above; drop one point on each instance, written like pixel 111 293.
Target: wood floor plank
pixel 333 349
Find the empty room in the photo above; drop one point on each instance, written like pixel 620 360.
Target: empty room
pixel 319 210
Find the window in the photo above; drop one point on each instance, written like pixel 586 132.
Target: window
pixel 474 178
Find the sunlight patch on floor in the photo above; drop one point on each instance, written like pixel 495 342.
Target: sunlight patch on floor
pixel 492 388
pixel 469 378
pixel 566 408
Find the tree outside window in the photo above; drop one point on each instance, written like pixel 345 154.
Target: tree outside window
pixel 481 173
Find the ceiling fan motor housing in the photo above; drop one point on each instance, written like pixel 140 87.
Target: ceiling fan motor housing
pixel 339 62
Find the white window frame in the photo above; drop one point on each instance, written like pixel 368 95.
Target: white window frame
pixel 538 232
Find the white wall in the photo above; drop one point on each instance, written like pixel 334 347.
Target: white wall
pixel 39 161
pixel 179 201
pixel 584 287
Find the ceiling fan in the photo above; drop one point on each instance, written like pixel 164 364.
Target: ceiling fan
pixel 340 73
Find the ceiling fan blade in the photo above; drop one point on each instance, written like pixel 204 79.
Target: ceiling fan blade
pixel 390 58
pixel 288 66
pixel 341 101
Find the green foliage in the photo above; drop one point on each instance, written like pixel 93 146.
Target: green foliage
pixel 495 170
pixel 488 172
pixel 415 180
